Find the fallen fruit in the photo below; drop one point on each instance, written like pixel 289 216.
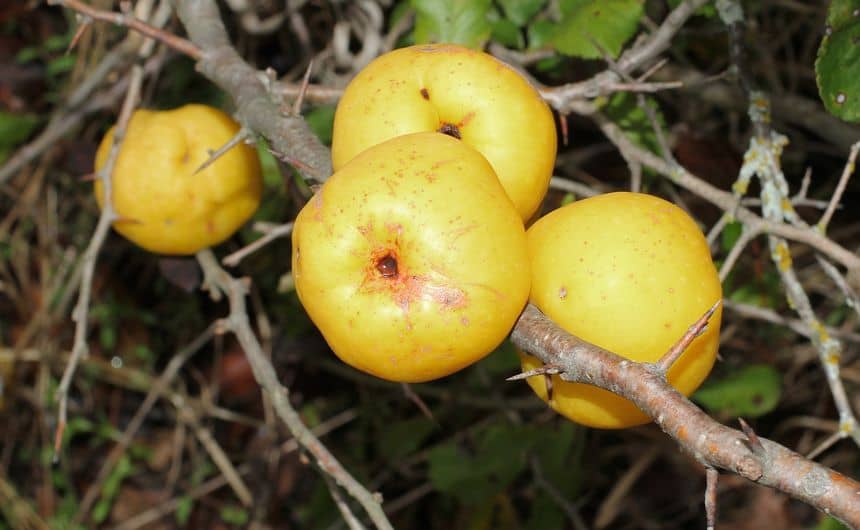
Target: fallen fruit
pixel 163 205
pixel 411 260
pixel 630 273
pixel 467 94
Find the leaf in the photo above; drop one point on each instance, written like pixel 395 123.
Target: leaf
pixel 730 235
pixel 14 129
pixel 520 11
pixel 829 523
pixel 321 122
pixel 499 457
pixel 625 111
pixel 837 65
pixel 750 392
pixel 507 33
pixel 404 437
pixel 608 23
pixel 454 21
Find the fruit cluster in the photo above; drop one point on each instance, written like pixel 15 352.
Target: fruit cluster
pixel 414 261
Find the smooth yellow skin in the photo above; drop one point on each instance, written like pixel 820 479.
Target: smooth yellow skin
pixel 629 272
pixel 435 206
pixel 421 88
pixel 163 206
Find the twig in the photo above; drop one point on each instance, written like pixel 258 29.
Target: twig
pixel 122 19
pixel 264 373
pixel 706 440
pixel 81 312
pixel 255 107
pixel 850 165
pixel 280 231
pixel 712 476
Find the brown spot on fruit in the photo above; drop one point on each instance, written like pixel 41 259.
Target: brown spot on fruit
pixel 387 266
pixel 451 130
pixel 425 94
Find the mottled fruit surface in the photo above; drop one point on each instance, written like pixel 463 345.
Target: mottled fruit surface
pixel 163 205
pixel 629 272
pixel 411 260
pixel 467 94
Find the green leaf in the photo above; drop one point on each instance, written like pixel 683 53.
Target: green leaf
pixel 623 108
pixel 15 128
pixel 837 66
pixel 508 34
pixel 321 122
pixel 841 13
pixel 234 515
pixel 730 235
pixel 829 523
pixel 750 392
pixel 403 438
pixel 454 21
pixel 183 509
pixel 499 457
pixel 608 23
pixel 520 11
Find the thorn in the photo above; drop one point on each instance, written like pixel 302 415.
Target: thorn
pixel 547 369
pixel 298 164
pixel 297 104
pixel 85 23
pixel 658 65
pixel 238 137
pixel 416 399
pixel 89 177
pixel 547 379
pixel 562 121
pixel 755 443
pixel 683 343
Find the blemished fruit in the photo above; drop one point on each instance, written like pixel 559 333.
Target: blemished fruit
pixel 464 93
pixel 163 205
pixel 411 259
pixel 628 272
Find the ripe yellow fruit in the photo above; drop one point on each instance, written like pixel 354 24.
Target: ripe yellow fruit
pixel 465 93
pixel 411 260
pixel 629 272
pixel 163 205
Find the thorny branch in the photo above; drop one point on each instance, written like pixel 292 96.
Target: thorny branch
pixel 711 443
pixel 750 456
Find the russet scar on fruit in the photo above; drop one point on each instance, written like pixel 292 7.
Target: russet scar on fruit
pixel 411 259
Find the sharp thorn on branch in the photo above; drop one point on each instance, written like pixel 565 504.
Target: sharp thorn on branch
pixel 695 330
pixel 84 22
pixel 547 369
pixel 752 437
pixel 297 104
pixel 238 137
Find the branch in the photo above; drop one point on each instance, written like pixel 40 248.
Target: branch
pixel 256 109
pixel 237 322
pixel 712 444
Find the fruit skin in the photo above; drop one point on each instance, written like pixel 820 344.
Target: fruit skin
pixel 163 206
pixel 629 272
pixel 434 206
pixel 423 87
